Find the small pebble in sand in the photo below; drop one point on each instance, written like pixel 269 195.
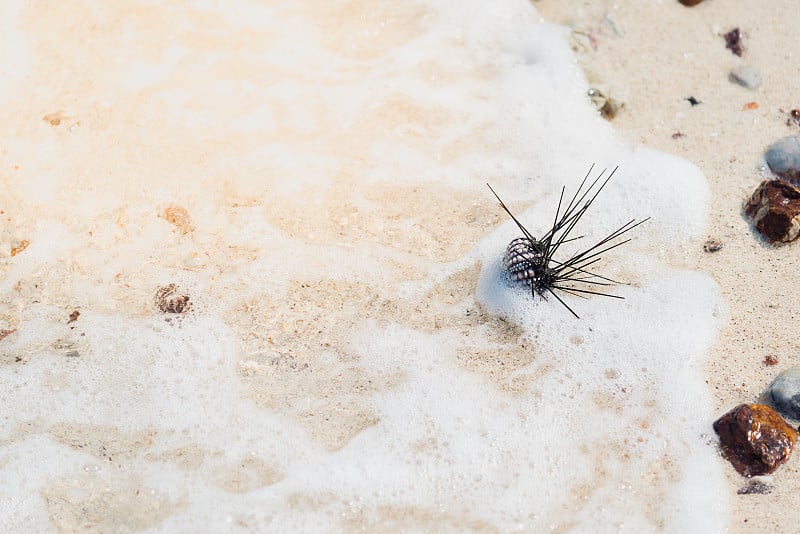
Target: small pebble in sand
pixel 678 135
pixel 774 209
pixel 690 3
pixel 733 41
pixel 755 439
pixel 794 118
pixel 693 101
pixel 712 245
pixel 755 488
pixel 770 360
pixel 783 158
pixel 746 77
pixel 785 392
pixel 750 105
pixel 62 119
pixel 607 106
pixel 169 300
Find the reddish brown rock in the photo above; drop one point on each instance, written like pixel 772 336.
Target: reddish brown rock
pixel 733 41
pixel 755 439
pixel 774 208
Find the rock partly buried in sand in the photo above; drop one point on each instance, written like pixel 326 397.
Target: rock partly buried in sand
pixel 746 77
pixel 783 158
pixel 755 439
pixel 690 3
pixel 774 208
pixel 785 392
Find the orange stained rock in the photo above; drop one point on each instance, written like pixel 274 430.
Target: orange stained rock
pixel 755 439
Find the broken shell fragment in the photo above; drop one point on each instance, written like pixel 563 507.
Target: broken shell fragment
pixel 18 247
pixel 774 209
pixel 169 300
pixel 712 245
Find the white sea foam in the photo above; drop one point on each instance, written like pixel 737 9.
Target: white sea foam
pixel 316 385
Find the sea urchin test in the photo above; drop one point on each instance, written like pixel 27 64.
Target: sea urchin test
pixel 531 261
pixel 257 279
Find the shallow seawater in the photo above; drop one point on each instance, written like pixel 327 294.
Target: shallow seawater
pixel 311 175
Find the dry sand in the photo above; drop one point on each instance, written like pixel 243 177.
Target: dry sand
pixel 653 56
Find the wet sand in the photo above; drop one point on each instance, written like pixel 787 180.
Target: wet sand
pixel 119 179
pixel 653 56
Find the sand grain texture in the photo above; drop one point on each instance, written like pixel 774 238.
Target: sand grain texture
pixel 317 192
pixel 662 54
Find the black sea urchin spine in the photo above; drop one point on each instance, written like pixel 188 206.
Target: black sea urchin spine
pixel 531 261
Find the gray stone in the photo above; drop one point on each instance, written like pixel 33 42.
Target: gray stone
pixel 746 77
pixel 783 158
pixel 785 392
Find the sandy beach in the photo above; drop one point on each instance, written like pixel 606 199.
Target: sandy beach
pixel 251 269
pixel 655 55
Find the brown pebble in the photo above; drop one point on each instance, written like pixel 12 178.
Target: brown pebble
pixel 733 41
pixel 794 118
pixel 4 332
pixel 770 360
pixel 690 3
pixel 73 316
pixel 169 300
pixel 774 208
pixel 755 439
pixel 750 105
pixel 611 108
pixel 712 245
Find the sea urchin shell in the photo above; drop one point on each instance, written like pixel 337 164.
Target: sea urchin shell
pixel 531 261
